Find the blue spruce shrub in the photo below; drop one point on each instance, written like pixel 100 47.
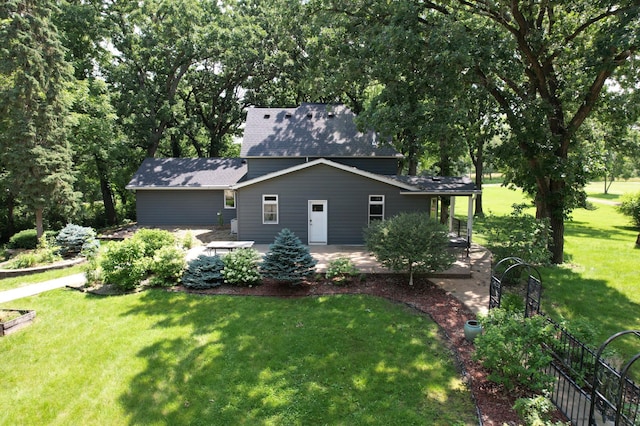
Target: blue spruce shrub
pixel 203 272
pixel 74 240
pixel 287 260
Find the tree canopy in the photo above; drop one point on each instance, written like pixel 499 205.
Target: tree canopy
pixel 93 86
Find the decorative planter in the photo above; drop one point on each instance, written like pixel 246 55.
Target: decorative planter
pixel 25 318
pixel 472 328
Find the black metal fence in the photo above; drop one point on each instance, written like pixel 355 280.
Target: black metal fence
pixel 587 390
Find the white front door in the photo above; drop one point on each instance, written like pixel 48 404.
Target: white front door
pixel 317 222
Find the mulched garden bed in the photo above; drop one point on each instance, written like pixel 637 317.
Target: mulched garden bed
pixel 494 405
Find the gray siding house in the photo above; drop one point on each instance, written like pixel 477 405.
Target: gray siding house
pixel 308 169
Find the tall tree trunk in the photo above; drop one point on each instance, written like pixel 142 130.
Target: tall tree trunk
pixel 154 139
pixel 11 223
pixel 445 202
pixel 176 149
pixel 39 222
pixel 550 203
pixel 107 193
pixel 557 246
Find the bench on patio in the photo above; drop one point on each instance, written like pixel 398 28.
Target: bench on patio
pixel 227 245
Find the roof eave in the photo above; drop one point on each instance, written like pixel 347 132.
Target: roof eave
pixel 443 192
pixel 329 163
pixel 181 188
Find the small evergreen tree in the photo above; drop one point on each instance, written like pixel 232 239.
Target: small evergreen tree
pixel 204 272
pixel 288 259
pixel 73 239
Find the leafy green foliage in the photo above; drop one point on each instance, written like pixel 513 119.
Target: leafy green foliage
pixel 341 270
pixel 41 256
pixel 203 272
pixel 537 411
pixel 287 260
pixel 167 266
pixel 154 239
pixel 187 240
pixel 124 264
pixel 74 239
pixel 410 242
pixel 517 234
pixel 27 239
pixel 630 206
pixel 241 267
pixel 511 349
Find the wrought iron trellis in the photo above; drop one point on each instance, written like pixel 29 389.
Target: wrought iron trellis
pixel 508 271
pixel 613 392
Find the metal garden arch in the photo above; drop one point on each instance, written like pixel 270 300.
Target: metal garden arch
pixel 507 272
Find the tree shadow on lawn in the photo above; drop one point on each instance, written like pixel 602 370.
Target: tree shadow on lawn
pixel 605 308
pixel 579 229
pixel 257 360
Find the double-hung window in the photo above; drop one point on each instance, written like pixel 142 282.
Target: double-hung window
pixel 269 209
pixel 376 207
pixel 229 199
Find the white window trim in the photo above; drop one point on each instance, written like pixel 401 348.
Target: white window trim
pixel 381 203
pixel 270 202
pixel 224 198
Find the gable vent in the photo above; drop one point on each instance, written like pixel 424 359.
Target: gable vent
pixel 267 116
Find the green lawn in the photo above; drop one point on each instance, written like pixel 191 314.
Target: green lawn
pixel 171 358
pixel 600 281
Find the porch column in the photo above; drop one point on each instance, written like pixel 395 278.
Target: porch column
pixel 452 212
pixel 470 217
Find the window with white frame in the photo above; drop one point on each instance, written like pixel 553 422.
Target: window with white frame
pixel 269 209
pixel 376 207
pixel 229 199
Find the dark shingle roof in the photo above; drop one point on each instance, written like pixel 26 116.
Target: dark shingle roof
pixel 188 173
pixel 440 184
pixel 311 130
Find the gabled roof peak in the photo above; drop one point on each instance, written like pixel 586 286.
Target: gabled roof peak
pixel 310 130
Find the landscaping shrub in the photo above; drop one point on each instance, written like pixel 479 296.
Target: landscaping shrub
pixel 27 239
pixel 44 254
pixel 167 266
pixel 287 260
pixel 517 234
pixel 341 270
pixel 124 264
pixel 630 206
pixel 203 272
pixel 511 349
pixel 241 267
pixel 187 240
pixel 410 242
pixel 154 239
pixel 536 411
pixel 73 239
